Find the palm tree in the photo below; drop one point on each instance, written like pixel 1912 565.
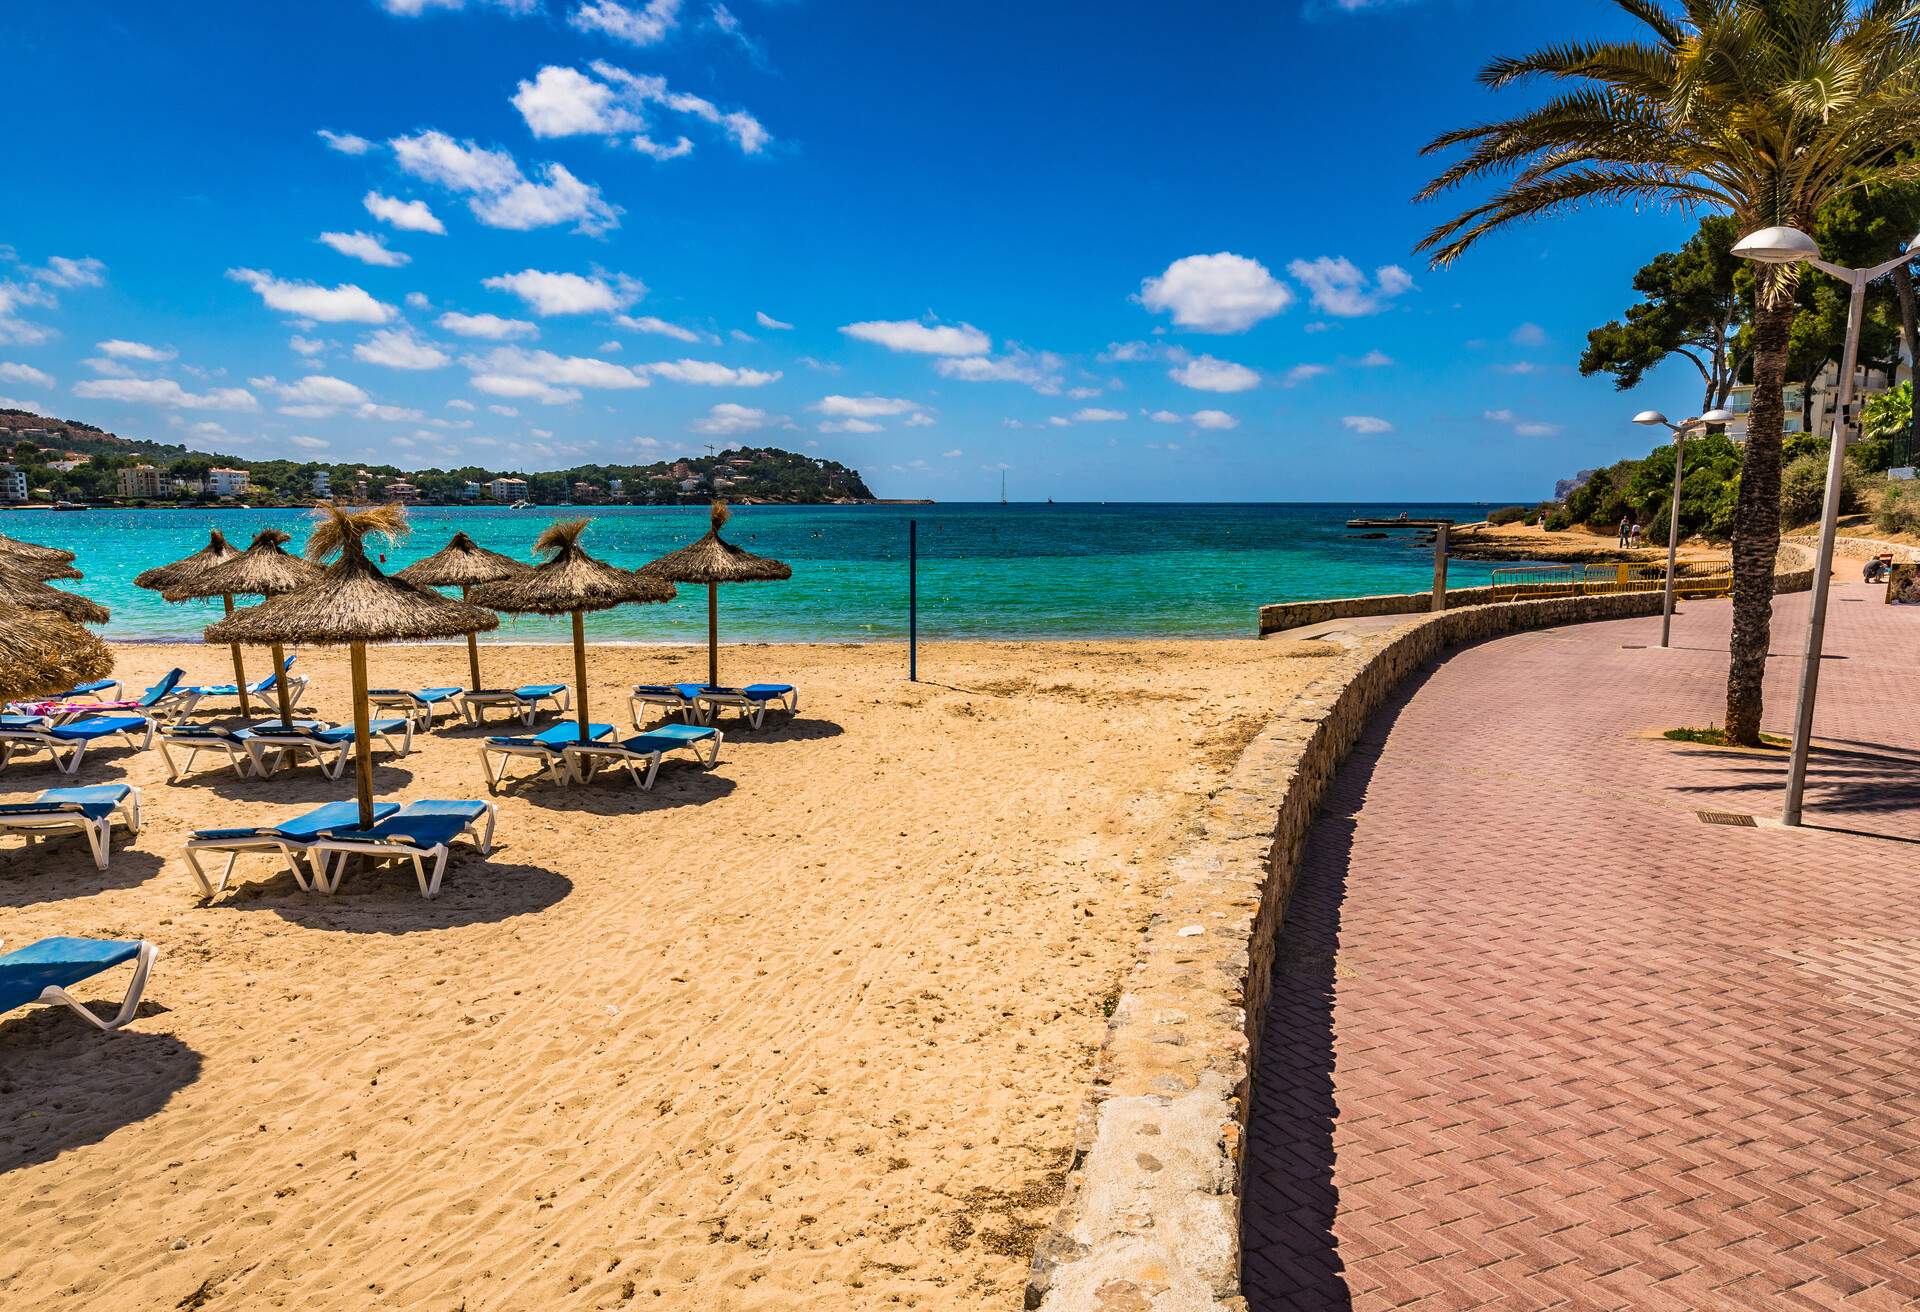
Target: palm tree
pixel 1763 109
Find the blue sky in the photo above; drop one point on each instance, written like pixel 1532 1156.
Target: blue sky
pixel 1129 251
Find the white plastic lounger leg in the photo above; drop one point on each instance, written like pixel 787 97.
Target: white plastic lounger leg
pixel 142 964
pixel 99 838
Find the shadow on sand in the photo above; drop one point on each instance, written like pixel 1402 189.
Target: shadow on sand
pixel 61 866
pixel 67 1085
pixel 384 898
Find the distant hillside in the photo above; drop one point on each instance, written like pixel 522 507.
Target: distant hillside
pixel 36 443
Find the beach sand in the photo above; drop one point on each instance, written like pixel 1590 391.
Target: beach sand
pixel 809 1031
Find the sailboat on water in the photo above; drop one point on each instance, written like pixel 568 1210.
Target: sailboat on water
pixel 1003 487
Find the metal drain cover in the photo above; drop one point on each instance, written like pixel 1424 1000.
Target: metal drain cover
pixel 1727 818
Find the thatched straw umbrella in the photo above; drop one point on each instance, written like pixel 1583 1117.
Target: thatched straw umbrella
pixel 42 653
pixel 352 602
pixel 713 561
pixel 25 592
pixel 570 582
pixel 14 551
pixel 463 564
pixel 165 578
pixel 45 568
pixel 264 569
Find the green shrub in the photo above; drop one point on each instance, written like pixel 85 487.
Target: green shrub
pixel 1558 521
pixel 1899 510
pixel 1803 491
pixel 1884 421
pixel 1509 515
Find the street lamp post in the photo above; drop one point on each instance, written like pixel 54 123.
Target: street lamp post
pixel 1791 246
pixel 1680 431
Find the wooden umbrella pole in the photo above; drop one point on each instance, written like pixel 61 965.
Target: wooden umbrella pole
pixel 239 669
pixel 362 747
pixel 580 670
pixel 473 652
pixel 713 635
pixel 280 683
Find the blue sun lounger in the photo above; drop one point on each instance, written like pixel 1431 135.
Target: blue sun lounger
pixel 329 745
pixel 681 699
pixel 525 702
pixel 164 699
pixel 297 686
pixel 421 832
pixel 90 810
pixel 291 838
pixel 421 706
pixel 94 690
pixel 67 743
pixel 197 738
pixel 644 750
pixel 548 747
pixel 752 701
pixel 44 971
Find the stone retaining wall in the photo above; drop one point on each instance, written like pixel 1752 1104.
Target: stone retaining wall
pixel 1862 546
pixel 1150 1221
pixel 1296 614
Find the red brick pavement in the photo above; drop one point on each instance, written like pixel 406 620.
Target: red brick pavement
pixel 1542 1039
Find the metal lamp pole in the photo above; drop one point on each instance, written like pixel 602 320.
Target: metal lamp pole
pixel 1680 431
pixel 1790 246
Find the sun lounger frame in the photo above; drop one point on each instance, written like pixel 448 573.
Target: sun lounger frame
pixel 429 859
pixel 70 815
pixel 142 967
pixel 581 758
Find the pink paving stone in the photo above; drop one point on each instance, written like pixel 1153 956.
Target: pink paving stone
pixel 1580 1049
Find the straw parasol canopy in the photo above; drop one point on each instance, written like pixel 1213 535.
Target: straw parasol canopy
pixel 463 564
pixel 713 561
pixel 25 592
pixel 571 582
pixel 14 551
pixel 162 578
pixel 264 569
pixel 352 602
pixel 42 653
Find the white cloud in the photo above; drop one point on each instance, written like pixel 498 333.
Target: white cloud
pixel 108 368
pixel 459 403
pixel 1303 373
pixel 766 320
pixel 850 426
pixel 647 323
pixel 345 142
pixel 318 389
pixel 548 294
pixel 1518 367
pixel 164 392
pixel 1039 370
pixel 1221 293
pixel 366 248
pixel 922 339
pixel 1529 334
pixel 865 407
pixel 954 454
pixel 121 349
pixel 637 24
pixel 1206 374
pixel 920 419
pixel 1217 420
pixel 504 411
pixel 308 443
pixel 418 301
pixel 406 215
pixel 564 102
pixel 499 195
pixel 25 373
pixel 490 326
pixel 728 419
pixel 399 348
pixel 13 296
pixel 345 303
pixel 1096 416
pixel 1521 427
pixel 1339 287
pixel 1167 417
pixel 1367 424
pixel 63 272
pixel 1126 353
pixel 707 373
pixel 306 345
pixel 1374 360
pixel 523 389
pixel 635 91
pixel 559 370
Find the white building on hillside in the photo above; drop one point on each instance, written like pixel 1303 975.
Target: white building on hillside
pixel 227 482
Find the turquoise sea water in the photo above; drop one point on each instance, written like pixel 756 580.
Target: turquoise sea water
pixel 986 571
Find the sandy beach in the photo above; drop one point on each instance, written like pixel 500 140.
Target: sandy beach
pixel 808 1031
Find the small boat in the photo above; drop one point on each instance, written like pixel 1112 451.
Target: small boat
pixel 521 505
pixel 70 505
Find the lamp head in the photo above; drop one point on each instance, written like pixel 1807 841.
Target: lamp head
pixel 1652 419
pixel 1777 246
pixel 1718 417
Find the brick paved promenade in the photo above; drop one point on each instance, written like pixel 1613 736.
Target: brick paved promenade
pixel 1540 1038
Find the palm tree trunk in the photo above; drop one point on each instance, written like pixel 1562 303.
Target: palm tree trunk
pixel 1756 522
pixel 1910 331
